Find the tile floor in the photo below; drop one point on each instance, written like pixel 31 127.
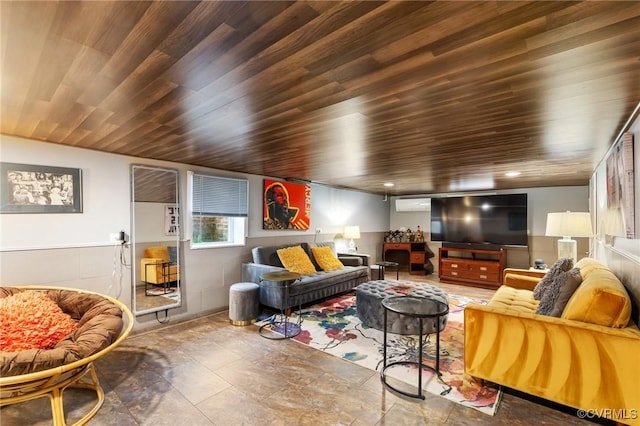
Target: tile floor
pixel 208 372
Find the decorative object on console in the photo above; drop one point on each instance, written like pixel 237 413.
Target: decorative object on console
pixel 419 236
pixel 566 225
pixel 539 264
pixel 352 233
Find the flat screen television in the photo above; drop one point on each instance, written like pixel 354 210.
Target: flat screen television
pixel 480 219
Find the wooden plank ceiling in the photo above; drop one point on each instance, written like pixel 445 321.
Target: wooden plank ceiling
pixel 433 96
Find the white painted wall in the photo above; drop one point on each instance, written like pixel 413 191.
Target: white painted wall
pixel 540 201
pixel 74 250
pixel 152 228
pixel 105 184
pixel 106 194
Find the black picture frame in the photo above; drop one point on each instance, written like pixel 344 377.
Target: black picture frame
pixel 29 188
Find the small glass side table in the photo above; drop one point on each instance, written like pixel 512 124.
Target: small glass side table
pixel 165 267
pixel 279 326
pixel 385 264
pixel 421 308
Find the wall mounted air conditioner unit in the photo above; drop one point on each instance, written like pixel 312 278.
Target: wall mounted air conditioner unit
pixel 413 204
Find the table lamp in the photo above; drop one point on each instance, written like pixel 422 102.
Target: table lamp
pixel 566 225
pixel 352 233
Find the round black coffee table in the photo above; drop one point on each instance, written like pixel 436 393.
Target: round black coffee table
pixel 421 308
pixel 279 326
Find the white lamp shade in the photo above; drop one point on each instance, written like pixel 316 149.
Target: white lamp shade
pixel 352 232
pixel 569 224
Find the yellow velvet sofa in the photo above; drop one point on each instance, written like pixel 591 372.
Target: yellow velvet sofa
pixel 588 358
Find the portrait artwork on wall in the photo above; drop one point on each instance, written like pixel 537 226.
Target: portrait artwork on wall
pixel 28 188
pixel 286 205
pixel 620 189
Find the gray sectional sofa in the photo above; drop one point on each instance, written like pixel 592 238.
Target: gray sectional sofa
pixel 309 288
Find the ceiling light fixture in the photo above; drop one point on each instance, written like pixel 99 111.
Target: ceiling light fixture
pixel 512 174
pixel 388 184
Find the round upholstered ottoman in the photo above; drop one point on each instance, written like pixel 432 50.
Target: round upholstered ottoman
pixel 244 303
pixel 369 297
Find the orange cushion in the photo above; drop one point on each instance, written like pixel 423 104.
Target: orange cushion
pixel 32 320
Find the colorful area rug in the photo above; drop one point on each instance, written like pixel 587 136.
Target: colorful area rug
pixel 333 327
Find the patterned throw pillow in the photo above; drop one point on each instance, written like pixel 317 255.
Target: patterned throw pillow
pixel 326 259
pixel 556 296
pixel 562 265
pixel 31 320
pixel 295 259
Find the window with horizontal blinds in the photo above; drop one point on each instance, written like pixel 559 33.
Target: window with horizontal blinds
pixel 220 196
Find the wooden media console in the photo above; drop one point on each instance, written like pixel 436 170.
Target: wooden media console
pixel 474 267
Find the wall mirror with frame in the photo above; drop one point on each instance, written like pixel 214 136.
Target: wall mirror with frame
pixel 155 239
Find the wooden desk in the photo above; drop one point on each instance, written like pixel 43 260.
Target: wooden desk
pixel 416 252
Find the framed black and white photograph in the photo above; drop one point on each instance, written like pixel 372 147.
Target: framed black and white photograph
pixel 28 188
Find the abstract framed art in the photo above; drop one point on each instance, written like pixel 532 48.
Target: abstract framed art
pixel 620 188
pixel 29 188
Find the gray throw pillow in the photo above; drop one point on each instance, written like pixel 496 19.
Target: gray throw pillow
pixel 557 295
pixel 173 255
pixel 573 281
pixel 562 265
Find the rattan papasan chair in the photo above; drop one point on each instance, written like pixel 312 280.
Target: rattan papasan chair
pixel 102 324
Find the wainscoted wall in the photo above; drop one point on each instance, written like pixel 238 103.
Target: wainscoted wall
pixel 73 250
pixel 621 254
pixel 540 201
pixel 626 265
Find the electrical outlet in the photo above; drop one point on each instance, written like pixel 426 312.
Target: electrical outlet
pixel 318 230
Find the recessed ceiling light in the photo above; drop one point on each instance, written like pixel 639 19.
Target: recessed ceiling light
pixel 512 174
pixel 388 184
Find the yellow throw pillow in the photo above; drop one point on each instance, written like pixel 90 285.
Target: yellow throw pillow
pixel 326 259
pixel 600 299
pixel 295 259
